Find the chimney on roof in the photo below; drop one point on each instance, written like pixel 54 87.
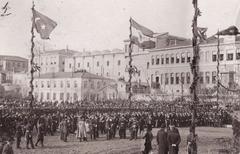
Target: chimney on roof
pixel 66 49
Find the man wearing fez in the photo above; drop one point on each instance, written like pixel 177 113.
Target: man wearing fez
pixel 174 139
pixel 162 141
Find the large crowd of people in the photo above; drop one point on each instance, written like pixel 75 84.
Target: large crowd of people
pixel 90 120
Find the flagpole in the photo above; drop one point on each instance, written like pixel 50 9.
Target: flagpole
pixel 195 68
pixel 130 70
pixel 218 63
pixel 32 59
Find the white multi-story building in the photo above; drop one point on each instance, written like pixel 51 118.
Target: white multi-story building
pixel 73 86
pixel 52 61
pixel 110 64
pixel 168 67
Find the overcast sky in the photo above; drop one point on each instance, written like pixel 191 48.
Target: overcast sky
pixel 104 24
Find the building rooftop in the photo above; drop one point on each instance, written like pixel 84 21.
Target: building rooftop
pixel 85 75
pixel 61 51
pixel 96 53
pixel 13 58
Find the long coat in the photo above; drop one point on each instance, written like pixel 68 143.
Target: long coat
pixel 174 138
pixel 81 129
pixel 162 142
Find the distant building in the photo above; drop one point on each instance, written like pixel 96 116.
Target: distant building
pixel 13 64
pixel 22 81
pixel 110 64
pixel 167 67
pixel 73 86
pixel 52 61
pixel 10 65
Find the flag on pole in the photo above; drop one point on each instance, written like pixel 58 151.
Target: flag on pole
pixel 43 24
pixel 142 36
pixel 232 30
pixel 202 33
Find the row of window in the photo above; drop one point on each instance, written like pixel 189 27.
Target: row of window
pixel 88 64
pixel 15 64
pixel 68 85
pixel 229 57
pixel 54 96
pixel 186 57
pixel 171 59
pixel 182 78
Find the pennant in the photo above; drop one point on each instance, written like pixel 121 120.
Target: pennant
pixel 43 24
pixel 202 33
pixel 141 36
pixel 232 30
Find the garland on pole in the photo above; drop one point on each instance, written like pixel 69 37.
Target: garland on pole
pixel 195 70
pixel 32 60
pixel 130 70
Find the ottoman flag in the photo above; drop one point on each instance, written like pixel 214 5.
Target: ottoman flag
pixel 142 36
pixel 43 24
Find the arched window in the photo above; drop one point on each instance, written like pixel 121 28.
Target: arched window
pixel 177 78
pixel 172 78
pixel 182 78
pixel 177 58
pixel 167 59
pixel 189 55
pixel 172 58
pixel 183 58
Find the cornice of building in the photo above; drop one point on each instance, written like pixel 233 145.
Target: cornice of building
pixel 190 46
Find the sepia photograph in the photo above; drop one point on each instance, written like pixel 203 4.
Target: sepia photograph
pixel 119 77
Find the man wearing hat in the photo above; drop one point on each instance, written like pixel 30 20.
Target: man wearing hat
pixel 174 139
pixel 162 140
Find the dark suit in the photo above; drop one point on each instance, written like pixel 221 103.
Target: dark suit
pixel 174 138
pixel 162 141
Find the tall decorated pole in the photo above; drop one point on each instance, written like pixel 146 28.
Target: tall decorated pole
pixel 195 67
pixel 44 26
pixel 32 60
pixel 218 63
pixel 130 70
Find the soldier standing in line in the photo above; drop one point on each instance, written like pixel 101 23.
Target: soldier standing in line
pixel 63 130
pixel 28 135
pixel 122 128
pixel 19 134
pixel 40 134
pixel 134 128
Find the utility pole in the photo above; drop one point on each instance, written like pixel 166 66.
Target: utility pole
pixel 195 67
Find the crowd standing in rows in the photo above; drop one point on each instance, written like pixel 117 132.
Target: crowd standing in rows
pixel 89 121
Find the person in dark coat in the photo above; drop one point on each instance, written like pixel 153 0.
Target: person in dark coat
pixel 191 142
pixel 19 134
pixel 162 141
pixel 40 134
pixel 174 140
pixel 28 135
pixel 148 141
